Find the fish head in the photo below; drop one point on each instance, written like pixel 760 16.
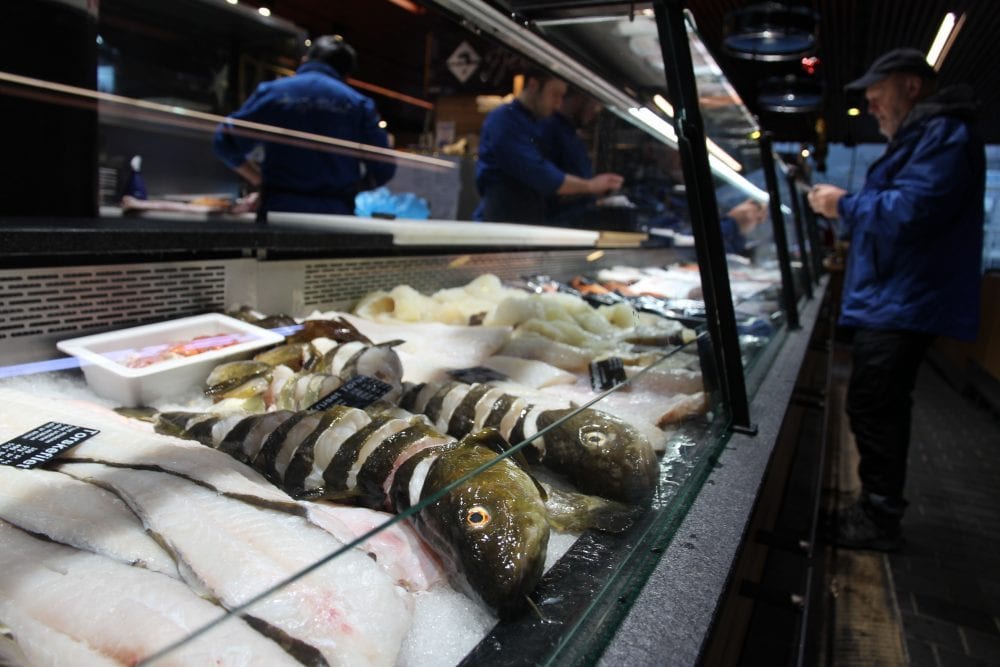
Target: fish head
pixel 600 454
pixel 491 529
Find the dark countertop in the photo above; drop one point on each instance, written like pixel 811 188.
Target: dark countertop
pixel 38 241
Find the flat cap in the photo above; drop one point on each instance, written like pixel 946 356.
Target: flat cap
pixel 897 60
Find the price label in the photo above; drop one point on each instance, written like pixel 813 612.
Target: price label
pixel 358 392
pixel 43 444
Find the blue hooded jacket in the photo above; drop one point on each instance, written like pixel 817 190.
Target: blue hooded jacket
pixel 320 178
pixel 916 227
pixel 513 176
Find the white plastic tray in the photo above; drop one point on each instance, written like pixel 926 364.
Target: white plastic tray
pixel 103 357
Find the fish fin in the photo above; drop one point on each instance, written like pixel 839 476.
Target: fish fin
pixel 571 512
pixel 141 413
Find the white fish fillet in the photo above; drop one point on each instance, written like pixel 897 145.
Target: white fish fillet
pixel 396 548
pixel 121 443
pixel 529 372
pixel 70 607
pixel 348 609
pixel 81 515
pixel 431 349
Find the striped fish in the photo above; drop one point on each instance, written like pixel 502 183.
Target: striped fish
pixel 599 453
pixel 491 532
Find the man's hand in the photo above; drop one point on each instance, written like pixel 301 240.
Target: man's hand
pixel 823 199
pixel 748 215
pixel 251 172
pixel 603 184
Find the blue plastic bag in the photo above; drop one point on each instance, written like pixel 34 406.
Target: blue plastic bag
pixel 381 203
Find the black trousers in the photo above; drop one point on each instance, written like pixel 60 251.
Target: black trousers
pixel 879 403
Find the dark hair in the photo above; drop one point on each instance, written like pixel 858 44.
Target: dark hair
pixel 540 74
pixel 335 52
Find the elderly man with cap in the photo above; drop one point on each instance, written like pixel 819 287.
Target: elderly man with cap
pixel 913 271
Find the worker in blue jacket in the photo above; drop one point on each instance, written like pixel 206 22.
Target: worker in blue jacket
pixel 562 145
pixel 513 176
pixel 315 178
pixel 913 270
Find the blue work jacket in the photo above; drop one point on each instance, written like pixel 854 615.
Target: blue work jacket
pixel 319 178
pixel 513 177
pixel 916 227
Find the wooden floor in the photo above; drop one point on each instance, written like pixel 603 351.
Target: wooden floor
pixel 936 603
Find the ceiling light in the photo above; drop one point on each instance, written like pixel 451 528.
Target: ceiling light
pixel 409 6
pixel 264 11
pixel 665 106
pixel 383 124
pixel 946 34
pixel 233 2
pixel 805 152
pixel 854 111
pixel 771 32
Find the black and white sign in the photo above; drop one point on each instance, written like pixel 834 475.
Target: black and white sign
pixel 43 444
pixel 463 62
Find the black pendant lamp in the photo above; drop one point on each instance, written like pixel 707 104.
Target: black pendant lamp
pixel 771 32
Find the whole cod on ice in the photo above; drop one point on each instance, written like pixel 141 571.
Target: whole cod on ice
pixel 492 529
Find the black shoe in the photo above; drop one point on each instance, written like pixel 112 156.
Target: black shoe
pixel 859 526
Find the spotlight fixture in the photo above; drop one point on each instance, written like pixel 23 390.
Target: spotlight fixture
pixel 790 94
pixel 770 32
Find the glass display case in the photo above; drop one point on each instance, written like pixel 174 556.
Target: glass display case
pixel 476 442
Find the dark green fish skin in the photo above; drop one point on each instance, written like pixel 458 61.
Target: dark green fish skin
pixel 601 454
pixel 493 529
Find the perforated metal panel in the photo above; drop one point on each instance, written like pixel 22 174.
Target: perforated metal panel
pixel 41 306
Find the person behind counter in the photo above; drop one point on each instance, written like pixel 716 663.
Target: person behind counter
pixel 316 100
pixel 913 270
pixel 738 222
pixel 513 176
pixel 563 146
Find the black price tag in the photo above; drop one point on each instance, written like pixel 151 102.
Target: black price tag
pixel 607 373
pixel 42 444
pixel 358 392
pixel 477 374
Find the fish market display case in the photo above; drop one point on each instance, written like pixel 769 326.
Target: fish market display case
pixel 660 578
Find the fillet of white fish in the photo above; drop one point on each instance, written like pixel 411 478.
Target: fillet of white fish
pixel 348 609
pixel 71 607
pixel 79 514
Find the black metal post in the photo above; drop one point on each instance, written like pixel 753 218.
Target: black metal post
pixel 721 320
pixel 812 228
pixel 800 235
pixel 780 235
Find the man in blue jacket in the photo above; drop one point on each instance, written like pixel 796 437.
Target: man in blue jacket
pixel 913 271
pixel 295 175
pixel 513 176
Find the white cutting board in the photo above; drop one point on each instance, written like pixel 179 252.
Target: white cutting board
pixel 443 232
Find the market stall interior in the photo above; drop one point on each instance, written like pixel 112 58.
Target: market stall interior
pixel 391 435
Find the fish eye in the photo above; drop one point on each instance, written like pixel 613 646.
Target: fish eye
pixel 477 516
pixel 593 437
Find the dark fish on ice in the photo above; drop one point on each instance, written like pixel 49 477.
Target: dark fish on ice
pixel 599 453
pixel 493 528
